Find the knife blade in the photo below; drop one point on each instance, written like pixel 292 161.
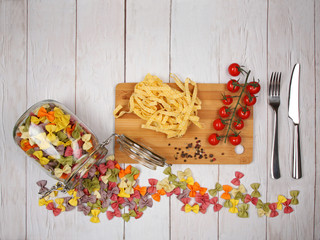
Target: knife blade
pixel 294 114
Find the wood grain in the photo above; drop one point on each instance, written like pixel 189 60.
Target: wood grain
pixel 13 55
pixel 288 43
pixel 147 43
pixel 171 149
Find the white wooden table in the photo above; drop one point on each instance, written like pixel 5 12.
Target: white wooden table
pixel 76 51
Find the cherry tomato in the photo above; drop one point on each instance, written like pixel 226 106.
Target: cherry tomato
pixel 253 87
pixel 227 99
pixel 224 112
pixel 218 125
pixel 235 139
pixel 232 86
pixel 238 124
pixel 249 100
pixel 243 112
pixel 214 139
pixel 233 69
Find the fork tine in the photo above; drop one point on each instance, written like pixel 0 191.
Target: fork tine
pixel 276 84
pixel 279 81
pixel 271 85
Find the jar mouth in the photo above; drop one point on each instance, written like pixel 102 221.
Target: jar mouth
pixel 141 153
pixel 94 158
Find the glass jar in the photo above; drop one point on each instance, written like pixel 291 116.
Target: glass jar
pixel 62 145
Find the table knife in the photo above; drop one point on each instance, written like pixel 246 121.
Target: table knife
pixel 294 115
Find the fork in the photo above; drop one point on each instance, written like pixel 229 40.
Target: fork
pixel 274 102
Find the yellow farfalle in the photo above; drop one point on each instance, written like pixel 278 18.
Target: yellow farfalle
pixel 189 180
pixel 123 193
pixel 58 171
pixel 281 199
pixel 61 120
pixel 189 208
pixel 44 201
pixel 43 160
pixel 95 213
pixel 97 194
pixel 60 202
pixel 105 178
pixel 129 189
pixel 51 129
pixel 74 201
pixel 166 185
pixel 123 183
pixel 261 213
pixel 87 144
pixel 41 140
pixel 241 189
pixel 36 120
pixel 234 209
pixel 185 174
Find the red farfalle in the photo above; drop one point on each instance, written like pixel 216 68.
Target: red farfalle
pixel 236 180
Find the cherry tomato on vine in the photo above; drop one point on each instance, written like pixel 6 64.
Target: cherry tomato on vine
pixel 253 87
pixel 224 112
pixel 238 124
pixel 232 85
pixel 227 99
pixel 243 112
pixel 218 125
pixel 249 100
pixel 214 139
pixel 233 69
pixel 235 139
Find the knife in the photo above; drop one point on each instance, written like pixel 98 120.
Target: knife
pixel 294 115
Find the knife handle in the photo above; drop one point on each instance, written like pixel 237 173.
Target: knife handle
pixel 275 168
pixel 296 160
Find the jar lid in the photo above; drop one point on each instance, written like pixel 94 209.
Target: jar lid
pixel 140 153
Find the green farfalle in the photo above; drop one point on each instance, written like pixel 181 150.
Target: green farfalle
pixel 62 136
pixel 65 160
pixel 27 124
pixel 239 195
pixel 91 185
pixel 255 192
pixel 259 204
pixel 130 176
pixel 30 151
pixel 182 185
pixel 218 188
pixel 243 210
pixel 76 132
pixel 172 177
pixel 294 194
pixel 142 209
pixel 136 200
pixel 97 204
pixel 113 174
pixel 126 216
pixel 227 204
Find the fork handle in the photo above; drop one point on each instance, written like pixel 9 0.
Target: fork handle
pixel 275 169
pixel 296 160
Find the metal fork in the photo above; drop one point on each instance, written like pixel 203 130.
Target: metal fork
pixel 274 102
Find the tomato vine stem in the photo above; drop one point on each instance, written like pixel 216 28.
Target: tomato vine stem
pixel 235 108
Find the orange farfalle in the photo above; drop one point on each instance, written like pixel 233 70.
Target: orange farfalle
pixel 70 130
pixel 226 194
pixel 43 113
pixel 136 176
pixel 158 194
pixel 195 187
pixel 202 190
pixel 117 166
pixel 142 190
pixel 122 172
pixel 19 134
pixel 25 145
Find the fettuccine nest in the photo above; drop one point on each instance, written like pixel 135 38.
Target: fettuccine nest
pixel 165 109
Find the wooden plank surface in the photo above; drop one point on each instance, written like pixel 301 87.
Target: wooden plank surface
pixel 77 51
pixel 173 149
pixel 13 56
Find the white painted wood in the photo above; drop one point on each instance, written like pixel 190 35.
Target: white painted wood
pixel 51 74
pixel 100 67
pixel 147 43
pixel 77 51
pixel 317 109
pixel 13 38
pixel 194 54
pixel 244 40
pixel 290 42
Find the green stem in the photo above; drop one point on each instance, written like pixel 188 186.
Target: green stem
pixel 235 108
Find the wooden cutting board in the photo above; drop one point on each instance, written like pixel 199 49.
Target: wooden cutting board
pixel 182 150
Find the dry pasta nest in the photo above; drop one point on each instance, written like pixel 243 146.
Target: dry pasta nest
pixel 164 108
